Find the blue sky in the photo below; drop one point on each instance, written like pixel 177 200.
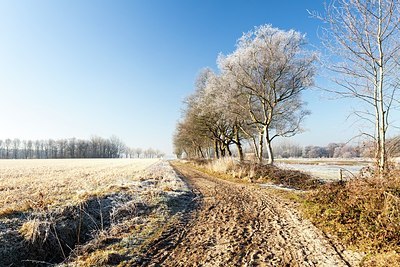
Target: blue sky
pixel 79 68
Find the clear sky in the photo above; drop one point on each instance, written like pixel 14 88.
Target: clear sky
pixel 78 68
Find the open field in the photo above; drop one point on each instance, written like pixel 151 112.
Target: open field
pixel 326 169
pixel 26 184
pixel 83 212
pixel 148 213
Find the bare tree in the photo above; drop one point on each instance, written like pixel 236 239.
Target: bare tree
pixel 270 69
pixel 96 147
pixel 7 145
pixel 364 38
pixel 82 148
pixel 222 100
pixel 38 149
pixel 24 149
pixel 30 149
pixel 138 152
pixel 287 149
pixel 208 124
pixel 71 147
pixel 16 143
pixel 62 148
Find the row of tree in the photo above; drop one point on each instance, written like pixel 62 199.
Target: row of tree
pixel 332 150
pixel 95 147
pixel 256 95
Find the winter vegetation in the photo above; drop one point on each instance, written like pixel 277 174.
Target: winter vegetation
pixel 98 202
pixel 255 97
pixel 27 183
pixel 96 147
pixel 286 149
pixel 83 212
pixel 363 37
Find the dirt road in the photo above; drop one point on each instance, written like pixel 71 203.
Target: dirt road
pixel 242 225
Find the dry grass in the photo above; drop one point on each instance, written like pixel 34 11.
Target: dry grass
pixel 42 184
pixel 364 213
pixel 84 212
pixel 137 222
pixel 253 172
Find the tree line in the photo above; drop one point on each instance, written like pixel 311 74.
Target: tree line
pixel 255 96
pixel 95 147
pixel 332 150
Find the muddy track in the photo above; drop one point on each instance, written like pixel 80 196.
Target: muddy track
pixel 242 225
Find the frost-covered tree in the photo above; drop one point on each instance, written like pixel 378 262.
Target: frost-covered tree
pixel 267 73
pixel 228 125
pixel 203 122
pixel 208 125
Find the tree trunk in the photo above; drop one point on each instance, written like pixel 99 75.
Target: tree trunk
pixel 222 151
pixel 239 147
pixel 216 149
pixel 229 151
pixel 381 109
pixel 260 146
pixel 270 154
pixel 201 152
pixel 255 146
pixel 269 148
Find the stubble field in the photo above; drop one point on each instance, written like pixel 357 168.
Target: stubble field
pixel 26 184
pixel 85 212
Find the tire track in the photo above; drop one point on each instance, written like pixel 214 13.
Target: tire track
pixel 242 225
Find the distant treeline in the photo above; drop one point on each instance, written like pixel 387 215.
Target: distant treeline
pixel 95 147
pixel 334 150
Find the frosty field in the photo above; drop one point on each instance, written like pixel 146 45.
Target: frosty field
pixel 326 169
pixel 83 212
pixel 28 184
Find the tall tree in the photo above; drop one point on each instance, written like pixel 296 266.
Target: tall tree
pixel 16 143
pixel 364 38
pixel 7 145
pixel 270 69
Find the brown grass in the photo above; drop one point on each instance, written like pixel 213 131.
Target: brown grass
pixel 43 184
pixel 254 172
pixel 101 211
pixel 364 213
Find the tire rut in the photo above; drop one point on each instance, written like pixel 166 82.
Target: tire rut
pixel 242 225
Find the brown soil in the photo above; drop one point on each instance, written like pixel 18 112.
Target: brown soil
pixel 241 225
